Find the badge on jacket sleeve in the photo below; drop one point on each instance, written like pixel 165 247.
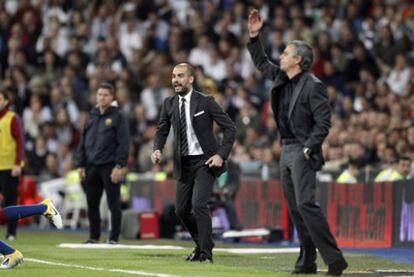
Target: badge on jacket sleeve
pixel 108 121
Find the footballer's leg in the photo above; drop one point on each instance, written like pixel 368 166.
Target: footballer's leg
pixel 12 257
pixel 46 208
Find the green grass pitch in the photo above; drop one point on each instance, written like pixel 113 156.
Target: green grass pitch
pixel 43 257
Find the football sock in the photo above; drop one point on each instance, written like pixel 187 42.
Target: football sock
pixel 5 249
pixel 13 213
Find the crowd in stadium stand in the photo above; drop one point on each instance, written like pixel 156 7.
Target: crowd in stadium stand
pixel 54 54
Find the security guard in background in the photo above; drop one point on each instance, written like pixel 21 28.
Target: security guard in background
pixel 397 172
pixel 102 159
pixel 350 174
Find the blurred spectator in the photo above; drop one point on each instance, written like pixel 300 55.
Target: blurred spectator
pixel 101 22
pixel 123 99
pixel 385 49
pixel 54 37
pixel 50 68
pixel 200 54
pixel 361 59
pixel 399 76
pixel 129 37
pixel 65 132
pixel 59 101
pixel 225 191
pixel 51 170
pixel 333 78
pixel 153 96
pixel 104 66
pixel 35 115
pixel 329 22
pixel 144 163
pixel 247 118
pixel 396 172
pixel 216 66
pixel 350 174
pixel 36 158
pixel 60 51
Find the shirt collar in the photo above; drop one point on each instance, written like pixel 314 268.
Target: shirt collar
pixel 296 78
pixel 187 97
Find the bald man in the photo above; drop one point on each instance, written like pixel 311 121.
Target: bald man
pixel 198 157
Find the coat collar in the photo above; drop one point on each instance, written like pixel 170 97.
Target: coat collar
pixel 187 97
pixel 195 97
pixel 194 100
pixel 296 92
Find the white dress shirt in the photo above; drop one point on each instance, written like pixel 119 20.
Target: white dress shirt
pixel 194 147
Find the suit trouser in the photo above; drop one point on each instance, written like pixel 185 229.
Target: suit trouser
pixel 8 187
pixel 194 189
pixel 299 185
pixel 97 179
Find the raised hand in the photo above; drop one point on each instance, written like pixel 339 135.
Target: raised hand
pixel 254 23
pixel 156 156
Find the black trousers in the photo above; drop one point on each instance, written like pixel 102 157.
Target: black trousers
pixel 194 189
pixel 299 185
pixel 8 187
pixel 98 178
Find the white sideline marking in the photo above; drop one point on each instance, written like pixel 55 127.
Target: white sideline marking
pixel 394 271
pixel 144 273
pixel 133 272
pixel 246 233
pixel 170 247
pixel 258 250
pixel 118 246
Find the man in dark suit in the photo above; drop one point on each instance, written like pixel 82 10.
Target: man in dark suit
pixel 198 158
pixel 300 106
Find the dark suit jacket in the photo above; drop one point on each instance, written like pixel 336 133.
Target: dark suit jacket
pixel 207 111
pixel 309 114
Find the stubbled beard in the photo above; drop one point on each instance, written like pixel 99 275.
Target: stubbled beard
pixel 183 91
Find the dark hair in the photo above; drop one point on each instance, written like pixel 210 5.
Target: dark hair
pixel 5 94
pixel 190 69
pixel 357 163
pixel 403 158
pixel 303 50
pixel 108 86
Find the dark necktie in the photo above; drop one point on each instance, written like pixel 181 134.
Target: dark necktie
pixel 183 130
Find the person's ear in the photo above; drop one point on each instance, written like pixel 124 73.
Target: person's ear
pixel 298 59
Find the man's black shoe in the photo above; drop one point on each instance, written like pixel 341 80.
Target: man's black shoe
pixel 336 268
pixel 307 271
pixel 204 259
pixel 194 256
pixel 91 241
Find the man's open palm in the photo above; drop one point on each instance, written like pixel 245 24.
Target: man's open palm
pixel 254 23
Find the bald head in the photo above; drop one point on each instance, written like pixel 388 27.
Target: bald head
pixel 188 68
pixel 182 78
